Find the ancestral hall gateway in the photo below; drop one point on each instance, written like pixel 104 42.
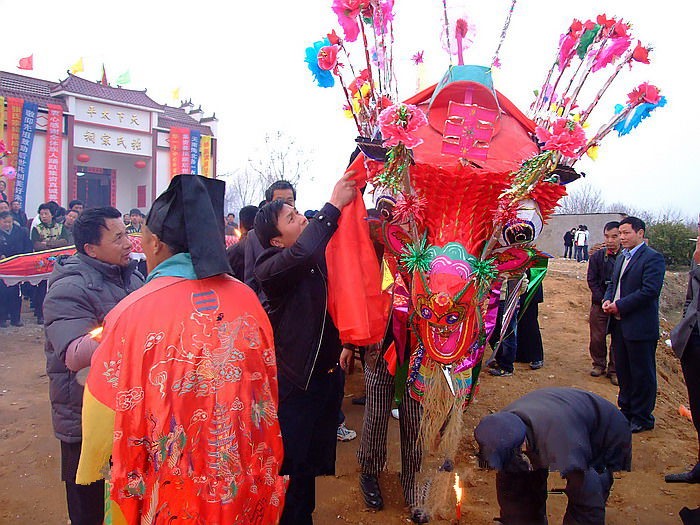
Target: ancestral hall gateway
pixel 104 145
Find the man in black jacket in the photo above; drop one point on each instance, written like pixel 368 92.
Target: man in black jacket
pixel 576 433
pixel 292 273
pixel 82 290
pixel 600 268
pixel 236 253
pixel 632 301
pixel 14 240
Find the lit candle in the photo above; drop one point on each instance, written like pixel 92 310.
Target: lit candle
pixel 458 495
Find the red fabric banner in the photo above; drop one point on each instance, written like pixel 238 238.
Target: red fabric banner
pixel 175 151
pixel 14 122
pixel 54 153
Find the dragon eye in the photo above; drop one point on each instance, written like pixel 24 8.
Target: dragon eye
pixel 426 313
pixel 451 318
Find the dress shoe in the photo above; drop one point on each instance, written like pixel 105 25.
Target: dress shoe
pixel 692 476
pixel 418 515
pixel 369 485
pixel 596 371
pixel 636 428
pixel 613 379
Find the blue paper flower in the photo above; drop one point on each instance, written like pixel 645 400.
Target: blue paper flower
pixel 322 77
pixel 636 116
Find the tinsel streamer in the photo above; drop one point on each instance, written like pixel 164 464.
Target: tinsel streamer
pixel 447 28
pixel 530 172
pixel 411 207
pixel 416 257
pixel 504 31
pixel 395 168
pixel 485 270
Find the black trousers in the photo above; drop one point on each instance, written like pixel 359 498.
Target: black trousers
pixel 10 303
pixel 39 296
pixel 690 362
pixel 635 364
pixel 309 424
pixel 522 497
pixel 86 503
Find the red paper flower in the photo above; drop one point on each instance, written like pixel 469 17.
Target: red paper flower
pixel 604 21
pixel 644 92
pixel 328 57
pixel 398 123
pixel 640 53
pixel 361 79
pixel 418 57
pixel 621 29
pixel 576 27
pixel 333 38
pixel 567 137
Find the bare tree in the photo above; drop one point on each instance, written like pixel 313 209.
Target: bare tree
pixel 585 198
pixel 279 158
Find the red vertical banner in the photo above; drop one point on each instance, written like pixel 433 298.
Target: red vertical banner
pixel 175 151
pixel 185 162
pixel 54 154
pixel 14 122
pixel 141 196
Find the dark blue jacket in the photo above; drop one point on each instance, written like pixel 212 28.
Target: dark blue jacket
pixel 640 288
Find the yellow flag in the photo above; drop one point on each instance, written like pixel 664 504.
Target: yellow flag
pixel 77 67
pixel 175 93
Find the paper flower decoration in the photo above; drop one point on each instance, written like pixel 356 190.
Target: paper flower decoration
pixel 328 57
pixel 643 93
pixel 347 12
pixel 567 137
pixel 399 122
pixel 3 149
pixel 614 50
pixel 322 77
pixel 641 53
pixel 417 58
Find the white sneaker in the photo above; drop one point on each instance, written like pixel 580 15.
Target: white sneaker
pixel 345 434
pixel 395 413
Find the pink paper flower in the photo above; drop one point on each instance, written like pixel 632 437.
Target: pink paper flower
pixel 418 57
pixel 383 14
pixel 399 122
pixel 644 92
pixel 328 57
pixel 347 12
pixel 567 137
pixel 3 149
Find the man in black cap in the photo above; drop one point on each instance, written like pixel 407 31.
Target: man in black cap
pixel 577 433
pixel 292 272
pixel 191 424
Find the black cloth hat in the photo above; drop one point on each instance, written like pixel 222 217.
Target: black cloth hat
pixel 136 211
pixel 499 436
pixel 188 217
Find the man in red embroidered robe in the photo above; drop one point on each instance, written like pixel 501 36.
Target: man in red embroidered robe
pixel 182 392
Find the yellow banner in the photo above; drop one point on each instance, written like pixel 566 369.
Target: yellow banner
pixel 205 156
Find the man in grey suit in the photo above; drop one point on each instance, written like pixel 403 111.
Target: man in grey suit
pixel 685 340
pixel 632 301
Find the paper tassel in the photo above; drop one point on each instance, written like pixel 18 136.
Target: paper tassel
pixel 636 116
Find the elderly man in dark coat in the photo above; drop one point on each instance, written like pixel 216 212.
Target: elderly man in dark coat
pixel 576 433
pixel 82 290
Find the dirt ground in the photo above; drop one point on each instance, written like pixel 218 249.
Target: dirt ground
pixel 31 491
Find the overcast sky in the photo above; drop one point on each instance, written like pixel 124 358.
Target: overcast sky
pixel 245 61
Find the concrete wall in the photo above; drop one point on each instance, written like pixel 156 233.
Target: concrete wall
pixel 551 240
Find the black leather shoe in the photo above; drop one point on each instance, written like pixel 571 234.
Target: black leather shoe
pixel 418 515
pixel 369 485
pixel 692 476
pixel 636 428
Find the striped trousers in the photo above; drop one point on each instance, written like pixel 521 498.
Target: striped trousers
pixel 379 388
